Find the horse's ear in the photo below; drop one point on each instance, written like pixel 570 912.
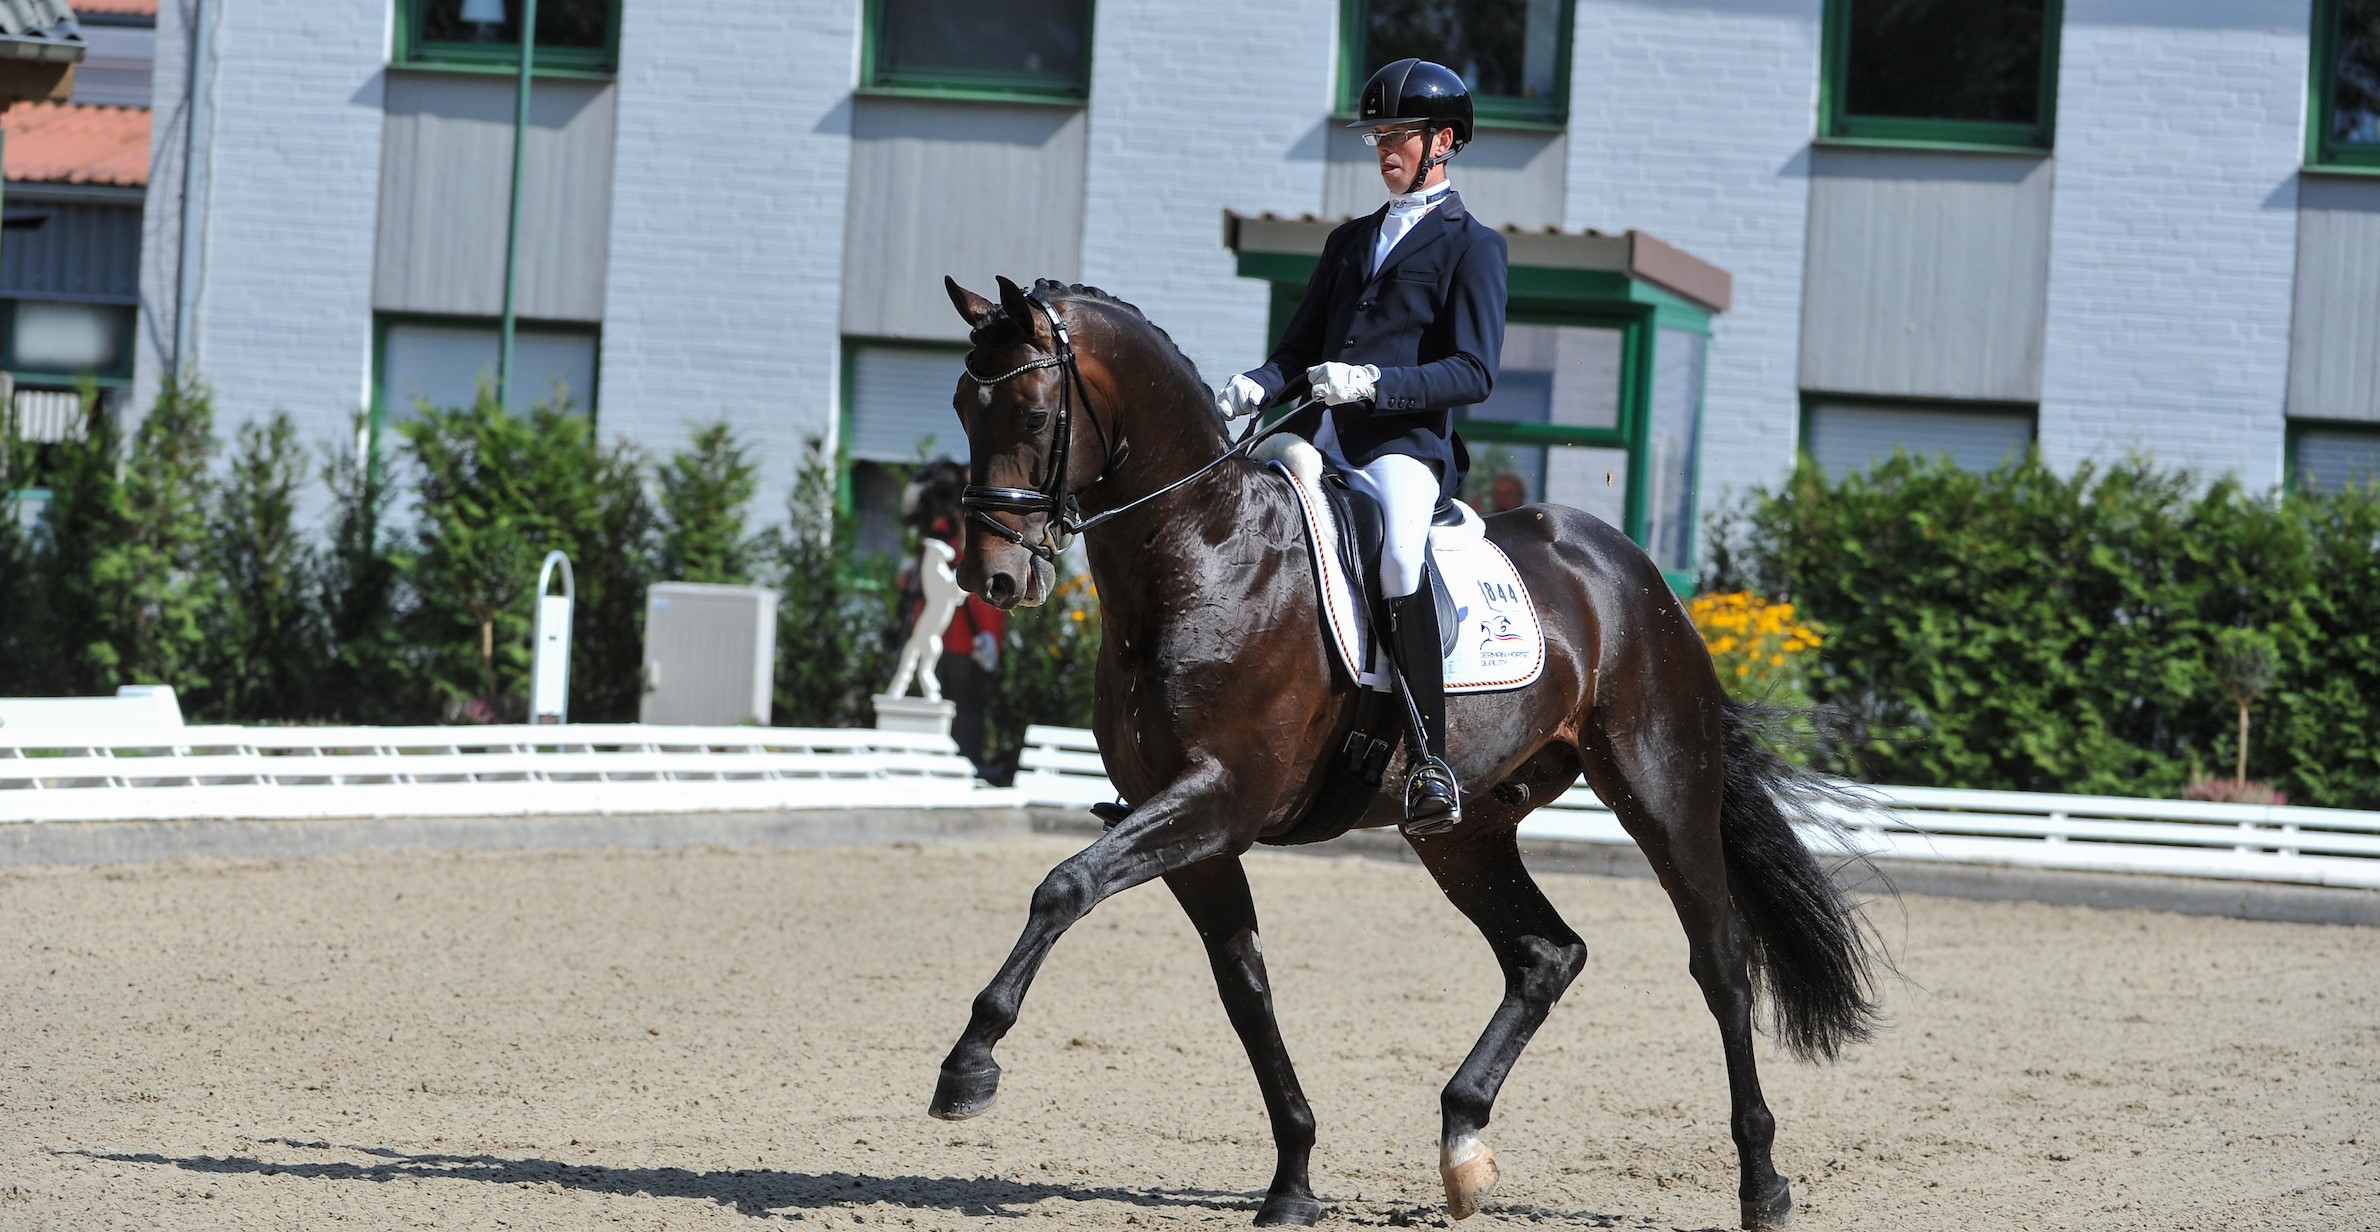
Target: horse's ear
pixel 1019 309
pixel 975 308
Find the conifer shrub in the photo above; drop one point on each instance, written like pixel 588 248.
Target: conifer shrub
pixel 838 614
pixel 706 492
pixel 267 646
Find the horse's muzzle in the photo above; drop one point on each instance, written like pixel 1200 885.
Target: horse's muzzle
pixel 1007 576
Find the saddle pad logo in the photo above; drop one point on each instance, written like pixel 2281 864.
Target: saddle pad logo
pixel 1498 595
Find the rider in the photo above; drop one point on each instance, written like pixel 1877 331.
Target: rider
pixel 1401 323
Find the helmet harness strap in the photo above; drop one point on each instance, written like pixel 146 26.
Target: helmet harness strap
pixel 1429 137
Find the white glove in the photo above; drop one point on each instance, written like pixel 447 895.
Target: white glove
pixel 1239 396
pixel 987 651
pixel 1343 383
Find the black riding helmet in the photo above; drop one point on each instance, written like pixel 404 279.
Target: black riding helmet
pixel 1412 91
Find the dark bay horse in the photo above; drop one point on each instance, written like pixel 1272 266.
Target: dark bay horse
pixel 1217 704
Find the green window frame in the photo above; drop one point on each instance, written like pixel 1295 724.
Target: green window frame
pixel 877 526
pixel 2323 149
pixel 1837 125
pixel 588 401
pixel 119 376
pixel 1491 110
pixel 877 76
pixel 413 51
pixel 1813 400
pixel 2294 484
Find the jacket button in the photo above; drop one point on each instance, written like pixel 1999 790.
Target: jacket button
pixel 1365 306
pixel 1350 342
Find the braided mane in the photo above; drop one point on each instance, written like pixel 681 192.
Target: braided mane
pixel 997 330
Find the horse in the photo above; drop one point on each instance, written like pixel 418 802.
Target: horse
pixel 1217 706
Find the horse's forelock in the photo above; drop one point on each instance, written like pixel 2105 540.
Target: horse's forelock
pixel 995 331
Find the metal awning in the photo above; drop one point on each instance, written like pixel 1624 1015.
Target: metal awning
pixel 1637 255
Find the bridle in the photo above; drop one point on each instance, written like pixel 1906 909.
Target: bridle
pixel 1064 514
pixel 1051 498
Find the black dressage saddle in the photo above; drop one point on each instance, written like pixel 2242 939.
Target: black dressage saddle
pixel 1361 524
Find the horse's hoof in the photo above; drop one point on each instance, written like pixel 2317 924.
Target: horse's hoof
pixel 1288 1211
pixel 1774 1210
pixel 960 1094
pixel 1469 1169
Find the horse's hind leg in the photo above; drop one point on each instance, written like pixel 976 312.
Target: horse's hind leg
pixel 1479 868
pixel 1674 818
pixel 1215 895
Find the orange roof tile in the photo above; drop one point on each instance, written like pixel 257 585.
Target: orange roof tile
pixel 125 8
pixel 77 143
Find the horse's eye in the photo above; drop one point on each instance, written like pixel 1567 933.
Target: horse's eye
pixel 1036 417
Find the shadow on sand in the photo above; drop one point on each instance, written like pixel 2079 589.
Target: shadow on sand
pixel 766 1191
pixel 752 1191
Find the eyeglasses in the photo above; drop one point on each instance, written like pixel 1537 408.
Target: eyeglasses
pixel 1393 136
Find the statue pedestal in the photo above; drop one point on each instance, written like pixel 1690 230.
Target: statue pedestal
pixel 914 714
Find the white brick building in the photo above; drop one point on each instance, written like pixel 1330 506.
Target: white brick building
pixel 2132 227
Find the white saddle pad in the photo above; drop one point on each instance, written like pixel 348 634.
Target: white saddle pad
pixel 1498 642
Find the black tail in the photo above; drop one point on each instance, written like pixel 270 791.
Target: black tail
pixel 1810 948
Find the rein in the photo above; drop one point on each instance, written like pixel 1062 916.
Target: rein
pixel 1051 497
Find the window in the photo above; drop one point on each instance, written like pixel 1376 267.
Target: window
pixel 1941 72
pixel 58 343
pixel 1514 54
pixel 981 48
pixel 896 415
pixel 1674 442
pixel 442 362
pixel 1551 430
pixel 2333 457
pixel 2346 110
pixel 580 35
pixel 1845 436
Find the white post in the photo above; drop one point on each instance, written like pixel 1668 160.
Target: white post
pixel 549 667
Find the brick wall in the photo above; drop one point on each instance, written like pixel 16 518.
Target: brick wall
pixel 2173 236
pixel 727 226
pixel 284 319
pixel 1693 122
pixel 1196 108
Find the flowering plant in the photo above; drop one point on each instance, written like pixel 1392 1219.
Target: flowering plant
pixel 1762 650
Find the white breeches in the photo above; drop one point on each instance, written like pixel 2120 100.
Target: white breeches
pixel 1407 491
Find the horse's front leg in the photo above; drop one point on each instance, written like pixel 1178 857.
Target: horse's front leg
pixel 1190 820
pixel 1215 896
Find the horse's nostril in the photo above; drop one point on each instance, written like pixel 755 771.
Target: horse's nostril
pixel 999 588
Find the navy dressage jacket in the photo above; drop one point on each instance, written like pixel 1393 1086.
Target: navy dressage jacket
pixel 1431 318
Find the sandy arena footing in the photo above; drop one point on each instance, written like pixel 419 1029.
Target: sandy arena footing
pixel 731 1038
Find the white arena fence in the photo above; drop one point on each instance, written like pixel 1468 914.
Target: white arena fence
pixel 303 773
pixel 2306 846
pixel 300 773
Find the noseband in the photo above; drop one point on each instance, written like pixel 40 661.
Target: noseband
pixel 1051 497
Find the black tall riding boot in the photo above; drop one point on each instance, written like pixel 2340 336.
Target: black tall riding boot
pixel 1433 801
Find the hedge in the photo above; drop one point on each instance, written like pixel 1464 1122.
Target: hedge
pixel 2030 630
pixel 157 562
